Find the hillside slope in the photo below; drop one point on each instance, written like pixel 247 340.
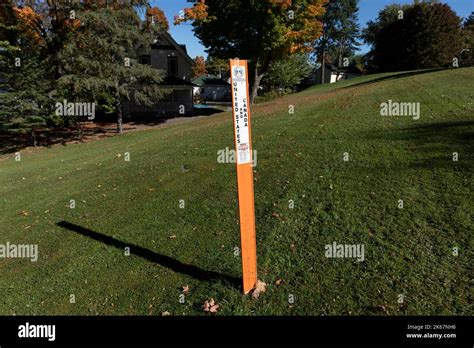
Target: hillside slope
pixel 409 265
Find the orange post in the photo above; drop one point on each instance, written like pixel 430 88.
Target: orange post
pixel 243 149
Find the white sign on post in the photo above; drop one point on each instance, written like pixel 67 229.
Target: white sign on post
pixel 239 91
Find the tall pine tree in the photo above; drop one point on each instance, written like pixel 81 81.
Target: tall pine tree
pixel 24 103
pixel 103 59
pixel 340 33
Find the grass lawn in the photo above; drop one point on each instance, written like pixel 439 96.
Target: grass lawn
pixel 136 204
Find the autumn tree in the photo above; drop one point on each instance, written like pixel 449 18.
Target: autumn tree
pixel 261 31
pixel 199 67
pixel 156 17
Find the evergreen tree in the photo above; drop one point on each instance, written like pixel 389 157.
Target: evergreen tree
pixel 340 33
pixel 417 36
pixel 103 59
pixel 24 103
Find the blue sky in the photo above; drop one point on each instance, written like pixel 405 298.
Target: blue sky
pixel 368 10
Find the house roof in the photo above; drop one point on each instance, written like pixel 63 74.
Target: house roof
pixel 210 80
pixel 174 45
pixel 352 69
pixel 331 67
pixel 175 81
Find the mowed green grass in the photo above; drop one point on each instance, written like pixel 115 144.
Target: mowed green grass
pixel 408 251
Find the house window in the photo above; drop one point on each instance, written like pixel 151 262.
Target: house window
pixel 145 60
pixel 173 66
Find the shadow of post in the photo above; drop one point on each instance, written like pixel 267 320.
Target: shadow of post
pixel 163 260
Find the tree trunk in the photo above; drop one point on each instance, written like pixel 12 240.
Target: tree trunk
pixel 339 63
pixel 33 135
pixel 80 131
pixel 323 63
pixel 258 74
pixel 119 118
pixel 118 106
pixel 323 58
pixel 256 84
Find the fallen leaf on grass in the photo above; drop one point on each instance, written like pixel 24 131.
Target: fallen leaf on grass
pixel 279 281
pixel 24 213
pixel 210 306
pixel 280 218
pixel 172 236
pixel 165 314
pixel 185 289
pixel 384 309
pixel 260 288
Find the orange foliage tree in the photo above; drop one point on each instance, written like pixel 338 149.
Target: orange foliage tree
pixel 262 31
pixel 155 16
pixel 199 67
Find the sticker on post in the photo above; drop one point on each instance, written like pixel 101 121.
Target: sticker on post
pixel 244 153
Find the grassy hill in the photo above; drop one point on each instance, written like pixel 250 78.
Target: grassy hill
pixel 136 204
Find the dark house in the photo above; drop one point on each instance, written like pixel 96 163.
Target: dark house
pixel 166 54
